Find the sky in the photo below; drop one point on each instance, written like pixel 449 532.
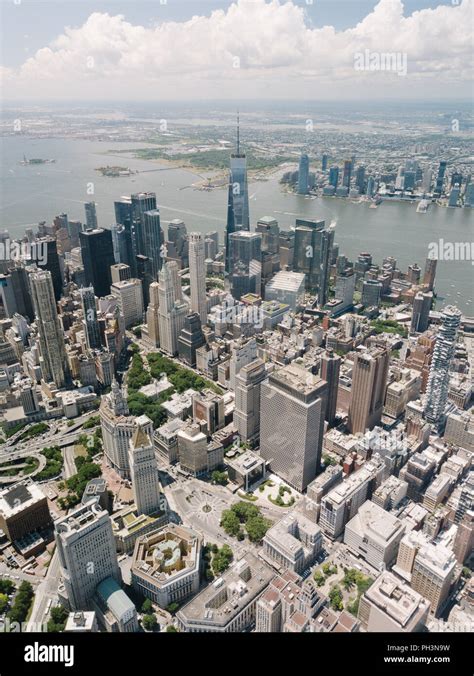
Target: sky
pixel 240 49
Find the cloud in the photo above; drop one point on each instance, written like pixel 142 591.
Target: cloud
pixel 254 48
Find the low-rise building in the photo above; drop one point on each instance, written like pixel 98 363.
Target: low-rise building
pixel 294 542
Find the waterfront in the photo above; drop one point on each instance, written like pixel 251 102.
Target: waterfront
pixel 34 193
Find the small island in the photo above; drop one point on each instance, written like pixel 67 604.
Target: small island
pixel 115 171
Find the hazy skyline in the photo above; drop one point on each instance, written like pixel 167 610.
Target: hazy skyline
pixel 257 49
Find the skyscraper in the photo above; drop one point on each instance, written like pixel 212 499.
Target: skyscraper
pixel 421 311
pixel 334 176
pixel 313 244
pixel 346 176
pixel 144 473
pixel 172 310
pixel 197 274
pixel 54 364
pixel 97 256
pixel 303 175
pixel 91 215
pixel 438 381
pixel 191 338
pixel 324 162
pixel 129 295
pixel 238 198
pixel 87 553
pixel 369 381
pixel 52 263
pixel 293 450
pixel 440 177
pixel 152 240
pixel 430 273
pixel 247 400
pixel 245 263
pixel 330 366
pixel 90 323
pixel 140 203
pixel 152 318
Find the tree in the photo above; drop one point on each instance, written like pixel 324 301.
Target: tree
pixel 219 477
pixel 58 619
pixel 6 586
pixel 256 528
pixel 230 522
pixel 147 606
pixel 171 629
pixel 3 603
pixel 222 559
pixel 149 622
pixel 22 603
pixel 335 598
pixel 172 607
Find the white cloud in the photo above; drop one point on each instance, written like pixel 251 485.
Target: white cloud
pixel 256 48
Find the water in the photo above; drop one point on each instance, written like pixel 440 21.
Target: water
pixel 34 193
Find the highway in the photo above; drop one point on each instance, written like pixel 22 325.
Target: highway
pixel 47 590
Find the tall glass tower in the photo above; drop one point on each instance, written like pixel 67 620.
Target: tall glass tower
pixel 438 381
pixel 303 175
pixel 238 198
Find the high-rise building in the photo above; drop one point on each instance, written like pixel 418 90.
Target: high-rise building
pixel 51 263
pixel 152 317
pixel 120 272
pixel 371 293
pixel 324 162
pixel 238 198
pixel 129 297
pixel 247 400
pixel 345 288
pixel 430 273
pixel 303 175
pixel 118 427
pixel 438 381
pixel 87 553
pixel 463 546
pixel 333 176
pixel 97 256
pixel 90 322
pixel 245 263
pixel 346 176
pixel 140 203
pixel 191 338
pixel 360 178
pixel 152 239
pixel 172 310
pixel 177 244
pixel 268 228
pixel 294 453
pixel 440 178
pixel 313 245
pixel 197 274
pixel 330 366
pixel 418 473
pixel 421 311
pixel 433 572
pixel 54 363
pixel 91 215
pixel 144 473
pixel 369 381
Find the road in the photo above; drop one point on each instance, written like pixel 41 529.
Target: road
pixel 69 468
pixel 47 590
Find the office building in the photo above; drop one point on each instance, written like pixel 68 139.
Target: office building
pixel 152 315
pixel 90 321
pixel 369 381
pixel 129 300
pixel 97 256
pixel 140 203
pixel 344 289
pixel 238 199
pixel 191 338
pixel 247 400
pixel 440 178
pixel 390 493
pixel 438 381
pixel 343 501
pixel 172 310
pixel 421 311
pixel 374 535
pixel 418 473
pixel 197 274
pixel 118 428
pixel 192 450
pixel 166 565
pixel 288 288
pixel 114 608
pixel 303 175
pixel 51 263
pixel 463 546
pixel 430 273
pixel 329 371
pixel 120 272
pixel 371 293
pixel 433 574
pixel 91 215
pixel 53 360
pixel 144 473
pixel 86 550
pixel 347 173
pixel 152 240
pixel 268 228
pixel 23 510
pixel 333 176
pixel 292 543
pixel 293 451
pixel 313 245
pixel 390 605
pixel 227 605
pixel 246 469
